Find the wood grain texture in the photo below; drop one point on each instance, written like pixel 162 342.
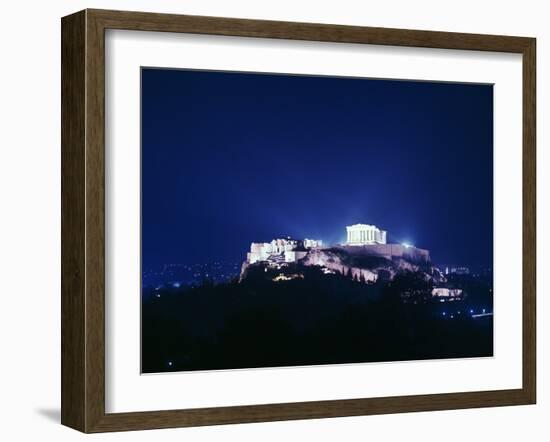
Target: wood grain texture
pixel 145 21
pixel 95 222
pixel 83 220
pixel 529 221
pixel 73 128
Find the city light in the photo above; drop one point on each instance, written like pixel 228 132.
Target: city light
pixel 407 245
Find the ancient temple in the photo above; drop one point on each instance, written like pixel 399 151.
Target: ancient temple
pixel 362 234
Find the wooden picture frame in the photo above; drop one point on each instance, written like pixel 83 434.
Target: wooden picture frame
pixel 83 220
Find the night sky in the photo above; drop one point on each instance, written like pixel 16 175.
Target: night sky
pixel 232 158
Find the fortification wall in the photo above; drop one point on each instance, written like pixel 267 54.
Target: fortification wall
pixel 390 251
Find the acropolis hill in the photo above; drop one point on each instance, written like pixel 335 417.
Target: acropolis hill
pixel 365 255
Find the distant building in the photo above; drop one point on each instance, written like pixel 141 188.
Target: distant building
pixel 453 270
pixel 313 243
pixel 283 277
pixel 281 250
pixel 447 294
pixel 364 234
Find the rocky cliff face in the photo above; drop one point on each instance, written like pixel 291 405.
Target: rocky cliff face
pixel 362 267
pixel 367 268
pixel 333 261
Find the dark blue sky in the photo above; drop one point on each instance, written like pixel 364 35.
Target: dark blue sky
pixel 231 158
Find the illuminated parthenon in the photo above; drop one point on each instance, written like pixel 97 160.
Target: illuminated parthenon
pixel 361 234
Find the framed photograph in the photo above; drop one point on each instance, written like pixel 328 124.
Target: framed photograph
pixel 269 220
